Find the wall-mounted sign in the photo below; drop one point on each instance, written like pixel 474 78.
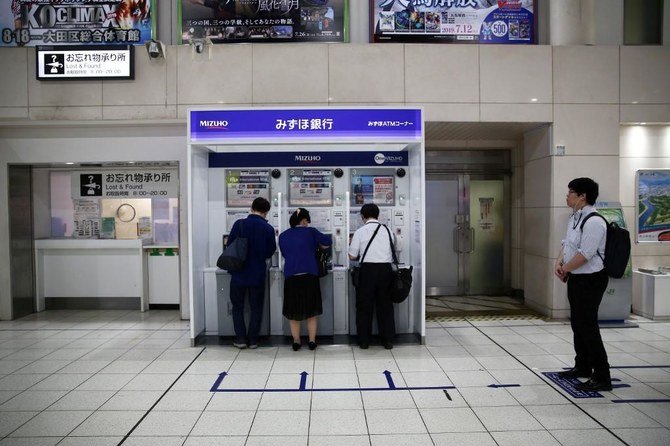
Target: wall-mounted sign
pixel 265 125
pixel 653 205
pixel 307 159
pixel 453 21
pixel 85 62
pixel 126 183
pixel 76 22
pixel 235 21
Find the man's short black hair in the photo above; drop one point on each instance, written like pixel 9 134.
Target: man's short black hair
pixel 260 204
pixel 585 186
pixel 370 210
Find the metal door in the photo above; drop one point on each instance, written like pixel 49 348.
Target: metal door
pixel 21 241
pixel 467 234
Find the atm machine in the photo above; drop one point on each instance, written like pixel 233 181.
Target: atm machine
pixel 330 161
pixel 388 188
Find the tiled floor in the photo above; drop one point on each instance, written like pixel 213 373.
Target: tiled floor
pixel 112 377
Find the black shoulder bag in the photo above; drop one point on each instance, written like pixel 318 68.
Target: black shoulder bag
pixel 356 270
pixel 401 283
pixel 234 255
pixel 323 257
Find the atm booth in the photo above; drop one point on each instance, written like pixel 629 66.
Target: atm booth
pixel 330 161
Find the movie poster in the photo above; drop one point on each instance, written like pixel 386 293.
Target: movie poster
pixel 453 21
pixel 236 21
pixel 653 205
pixel 75 22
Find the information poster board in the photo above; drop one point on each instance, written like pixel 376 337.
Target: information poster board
pixel 310 187
pixel 244 186
pixel 125 183
pixel 453 21
pixel 237 21
pixel 369 186
pixel 653 205
pixel 76 22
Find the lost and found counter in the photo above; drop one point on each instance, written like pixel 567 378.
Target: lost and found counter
pixel 95 273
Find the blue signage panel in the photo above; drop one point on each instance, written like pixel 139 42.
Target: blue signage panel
pixel 307 159
pixel 379 125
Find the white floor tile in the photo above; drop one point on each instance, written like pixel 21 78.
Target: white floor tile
pixel 185 400
pixel 154 441
pixel 150 381
pixel 590 437
pixel 558 417
pixel 82 400
pixel 446 420
pixel 621 416
pixel 290 423
pixel 61 382
pixel 285 401
pixel 644 437
pixel 401 440
pixel 9 421
pixel 21 382
pixel 167 423
pixel 132 400
pixel 464 439
pixel 108 424
pixel 338 422
pixel 336 401
pixel 106 381
pixel 223 424
pixel 395 421
pixel 233 401
pixel 32 400
pixel 513 418
pixel 51 424
pixel 487 396
pixel 396 399
pixel 524 438
pixel 216 441
pixel 276 441
pixel 340 440
pixel 30 441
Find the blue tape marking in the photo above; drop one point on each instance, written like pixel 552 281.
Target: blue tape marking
pixel 303 380
pixel 660 400
pixel 389 379
pixel 568 384
pixel 495 386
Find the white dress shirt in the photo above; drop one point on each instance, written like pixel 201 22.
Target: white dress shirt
pixel 380 248
pixel 588 243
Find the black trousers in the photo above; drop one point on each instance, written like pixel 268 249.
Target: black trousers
pixel 585 291
pixel 373 292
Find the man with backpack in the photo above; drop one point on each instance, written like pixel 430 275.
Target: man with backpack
pixel 581 264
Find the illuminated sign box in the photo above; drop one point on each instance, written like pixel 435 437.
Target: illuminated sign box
pixel 93 62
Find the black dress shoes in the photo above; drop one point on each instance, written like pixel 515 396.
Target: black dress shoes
pixel 312 345
pixel 363 345
pixel 296 346
pixel 594 385
pixel 388 345
pixel 574 373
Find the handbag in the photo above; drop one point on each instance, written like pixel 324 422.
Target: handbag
pixel 322 260
pixel 234 256
pixel 355 271
pixel 401 283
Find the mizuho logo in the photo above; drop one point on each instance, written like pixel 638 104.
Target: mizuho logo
pixel 380 158
pixel 308 158
pixel 215 124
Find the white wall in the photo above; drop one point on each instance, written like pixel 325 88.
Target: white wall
pixel 584 92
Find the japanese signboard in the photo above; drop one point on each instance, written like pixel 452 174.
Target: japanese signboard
pixel 127 183
pixel 653 205
pixel 453 21
pixel 84 62
pixel 76 22
pixel 230 21
pixel 314 124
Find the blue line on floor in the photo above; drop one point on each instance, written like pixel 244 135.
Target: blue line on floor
pixel 660 400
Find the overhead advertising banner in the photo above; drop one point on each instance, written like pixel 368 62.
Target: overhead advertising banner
pixel 75 22
pixel 126 183
pixel 453 21
pixel 235 21
pixel 653 205
pixel 85 62
pixel 265 125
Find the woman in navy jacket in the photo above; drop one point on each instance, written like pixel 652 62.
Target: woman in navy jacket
pixel 302 293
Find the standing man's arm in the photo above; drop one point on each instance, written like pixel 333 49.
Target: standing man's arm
pixel 558 266
pixel 271 245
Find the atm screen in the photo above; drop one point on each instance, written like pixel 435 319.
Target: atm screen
pixel 310 187
pixel 244 186
pixel 377 189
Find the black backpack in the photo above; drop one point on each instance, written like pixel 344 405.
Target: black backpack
pixel 617 247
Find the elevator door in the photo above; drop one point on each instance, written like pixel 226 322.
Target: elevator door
pixel 467 234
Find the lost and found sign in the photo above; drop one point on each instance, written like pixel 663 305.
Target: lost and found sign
pixel 141 183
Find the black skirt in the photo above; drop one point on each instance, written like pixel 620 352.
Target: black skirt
pixel 302 297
